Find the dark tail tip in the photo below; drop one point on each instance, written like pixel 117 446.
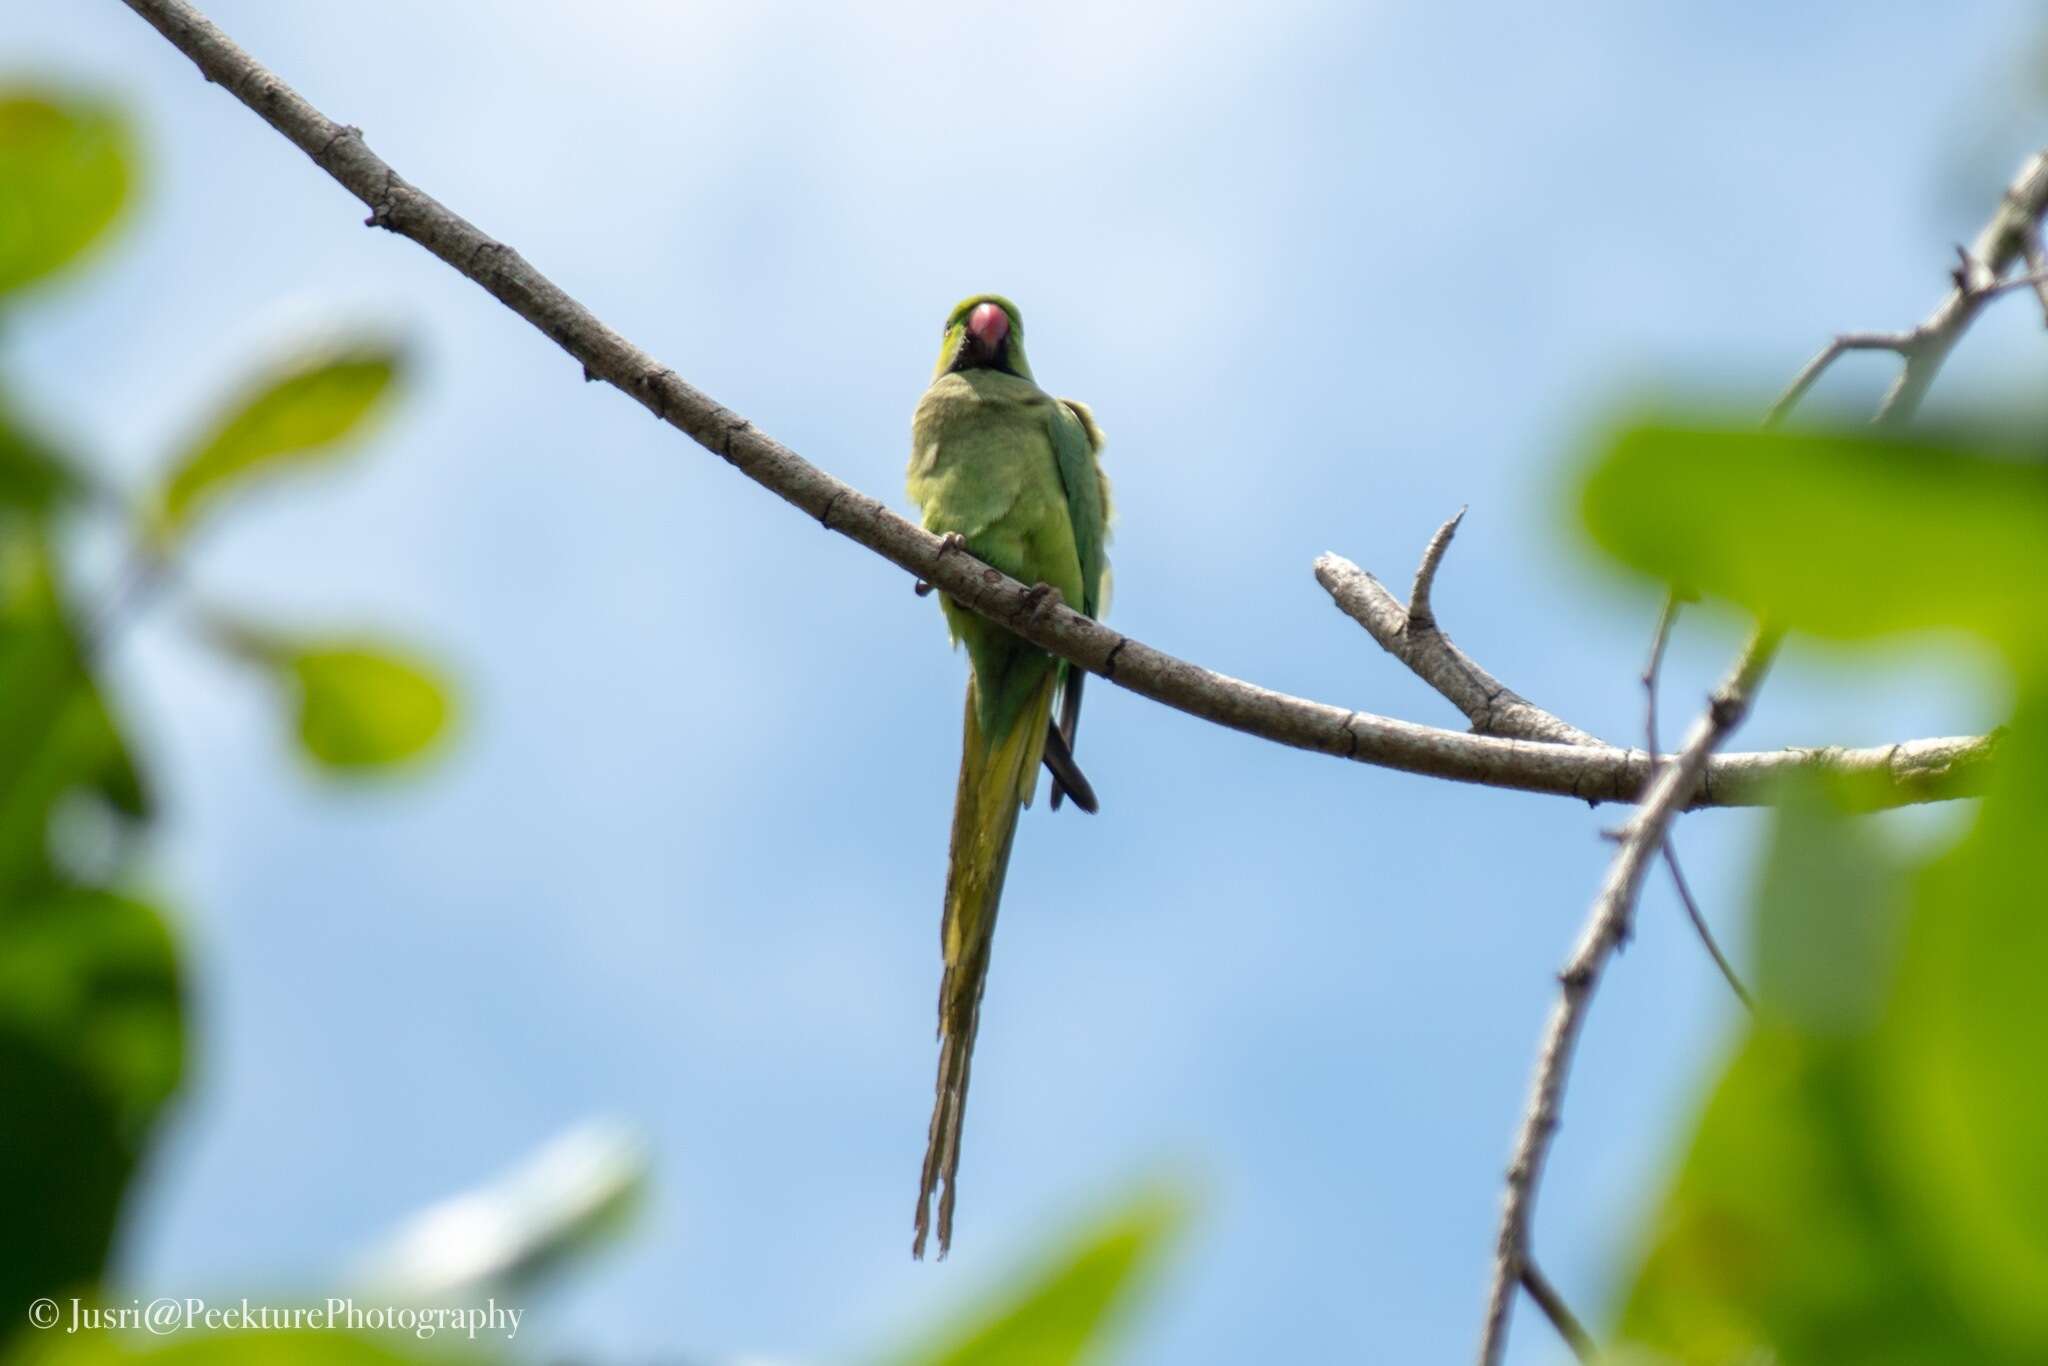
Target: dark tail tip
pixel 1067 778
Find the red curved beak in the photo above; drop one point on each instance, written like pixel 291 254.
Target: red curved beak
pixel 988 325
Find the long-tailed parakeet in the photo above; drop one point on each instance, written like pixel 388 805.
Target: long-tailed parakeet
pixel 1009 474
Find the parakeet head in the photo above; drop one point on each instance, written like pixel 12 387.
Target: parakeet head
pixel 984 333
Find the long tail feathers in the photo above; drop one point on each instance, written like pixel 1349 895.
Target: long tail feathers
pixel 997 775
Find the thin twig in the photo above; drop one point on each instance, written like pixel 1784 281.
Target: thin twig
pixel 1667 617
pixel 1914 771
pixel 1558 1312
pixel 1652 671
pixel 1420 618
pixel 1607 925
pixel 1901 342
pixel 2032 279
pixel 1699 924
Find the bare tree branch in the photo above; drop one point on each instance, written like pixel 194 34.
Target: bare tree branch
pixel 2011 237
pixel 1914 771
pixel 1607 926
pixel 1490 705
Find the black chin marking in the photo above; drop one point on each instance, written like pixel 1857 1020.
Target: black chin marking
pixel 970 358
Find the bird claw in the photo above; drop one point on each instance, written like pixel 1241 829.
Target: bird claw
pixel 1036 595
pixel 948 543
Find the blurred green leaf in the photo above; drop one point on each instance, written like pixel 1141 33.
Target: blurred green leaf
pixel 360 708
pixel 1867 1182
pixel 65 167
pixel 67 1154
pixel 299 413
pixel 1965 1050
pixel 254 1347
pixel 1828 918
pixel 94 976
pixel 359 705
pixel 34 477
pixel 57 737
pixel 1780 1233
pixel 91 1047
pixel 1065 1311
pixel 1845 534
pixel 1781 1240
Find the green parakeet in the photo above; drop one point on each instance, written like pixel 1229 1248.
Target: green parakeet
pixel 1009 474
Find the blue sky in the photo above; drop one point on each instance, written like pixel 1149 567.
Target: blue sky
pixel 1326 273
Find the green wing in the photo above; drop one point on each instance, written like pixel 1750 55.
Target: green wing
pixel 1076 444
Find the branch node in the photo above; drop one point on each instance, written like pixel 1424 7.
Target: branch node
pixel 485 247
pixel 654 383
pixel 730 438
pixel 341 131
pixel 1965 271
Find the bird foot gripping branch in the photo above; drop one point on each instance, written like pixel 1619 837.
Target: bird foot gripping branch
pixel 948 543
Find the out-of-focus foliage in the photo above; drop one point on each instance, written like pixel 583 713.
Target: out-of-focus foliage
pixel 302 411
pixel 91 1040
pixel 57 738
pixel 65 168
pixel 1065 1311
pixel 357 705
pixel 250 1347
pixel 92 1002
pixel 361 707
pixel 1844 534
pixel 33 476
pixel 1867 1180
